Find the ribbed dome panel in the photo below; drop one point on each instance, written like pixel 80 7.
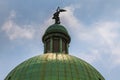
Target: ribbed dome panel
pixel 54 67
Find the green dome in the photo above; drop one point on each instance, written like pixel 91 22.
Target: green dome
pixel 56 28
pixel 54 67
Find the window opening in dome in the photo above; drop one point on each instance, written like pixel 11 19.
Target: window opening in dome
pixel 48 45
pixel 64 46
pixel 56 45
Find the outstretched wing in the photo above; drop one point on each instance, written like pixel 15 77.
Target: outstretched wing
pixel 62 10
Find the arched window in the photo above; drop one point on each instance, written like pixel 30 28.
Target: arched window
pixel 56 44
pixel 48 45
pixel 64 46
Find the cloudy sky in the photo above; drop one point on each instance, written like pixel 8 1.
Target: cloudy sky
pixel 94 26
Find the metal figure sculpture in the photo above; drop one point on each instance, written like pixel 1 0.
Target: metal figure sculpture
pixel 56 15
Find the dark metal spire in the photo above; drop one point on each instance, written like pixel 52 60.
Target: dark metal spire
pixel 56 15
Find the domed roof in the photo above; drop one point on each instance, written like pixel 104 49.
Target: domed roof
pixel 54 67
pixel 56 28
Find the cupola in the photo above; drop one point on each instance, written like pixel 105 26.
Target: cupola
pixel 56 39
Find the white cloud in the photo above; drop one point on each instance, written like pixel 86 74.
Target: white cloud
pixel 14 31
pixel 90 57
pixel 69 18
pixel 108 31
pixel 110 35
pixel 103 37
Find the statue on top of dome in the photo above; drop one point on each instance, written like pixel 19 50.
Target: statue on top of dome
pixel 56 15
